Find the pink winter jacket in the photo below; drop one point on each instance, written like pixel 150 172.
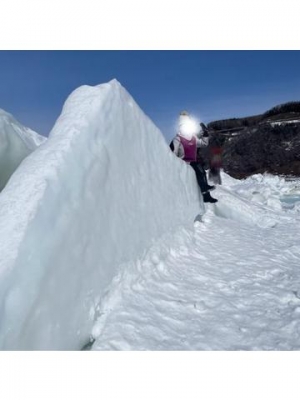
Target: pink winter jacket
pixel 187 149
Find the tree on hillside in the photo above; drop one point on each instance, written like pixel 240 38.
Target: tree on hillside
pixel 292 106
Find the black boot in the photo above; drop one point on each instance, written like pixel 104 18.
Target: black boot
pixel 208 199
pixel 210 188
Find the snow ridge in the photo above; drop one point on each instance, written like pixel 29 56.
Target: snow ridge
pixel 101 190
pixel 16 143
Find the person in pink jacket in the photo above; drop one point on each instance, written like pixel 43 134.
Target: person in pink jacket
pixel 189 138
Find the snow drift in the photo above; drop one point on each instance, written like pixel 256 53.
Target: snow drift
pixel 231 284
pixel 102 189
pixel 16 143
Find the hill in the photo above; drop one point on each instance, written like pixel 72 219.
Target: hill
pixel 282 112
pixel 269 142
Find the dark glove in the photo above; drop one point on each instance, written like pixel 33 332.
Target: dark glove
pixel 204 129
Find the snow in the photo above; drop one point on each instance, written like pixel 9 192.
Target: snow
pixel 105 242
pixel 101 190
pixel 16 143
pixel 231 284
pixel 288 145
pixel 294 121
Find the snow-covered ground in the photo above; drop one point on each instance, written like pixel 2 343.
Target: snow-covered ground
pixel 294 121
pixel 233 283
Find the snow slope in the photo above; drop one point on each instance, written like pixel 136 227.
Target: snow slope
pixel 16 143
pixel 96 195
pixel 231 284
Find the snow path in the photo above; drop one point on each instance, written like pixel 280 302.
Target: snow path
pixel 231 284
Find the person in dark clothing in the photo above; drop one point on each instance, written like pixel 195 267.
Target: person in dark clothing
pixel 198 167
pixel 201 173
pixel 215 162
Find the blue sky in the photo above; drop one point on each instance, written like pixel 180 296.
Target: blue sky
pixel 210 84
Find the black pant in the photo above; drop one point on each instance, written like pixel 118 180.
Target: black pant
pixel 200 175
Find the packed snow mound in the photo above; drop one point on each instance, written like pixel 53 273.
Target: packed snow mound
pixel 97 194
pixel 16 143
pixel 268 190
pixel 257 200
